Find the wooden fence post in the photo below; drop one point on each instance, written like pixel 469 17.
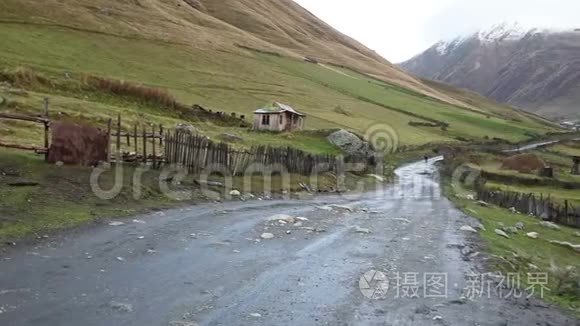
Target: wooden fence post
pixel 166 150
pixel 135 142
pixel 144 145
pixel 153 152
pixel 575 165
pixel 540 207
pixel 566 211
pixel 109 126
pixel 46 128
pixel 118 155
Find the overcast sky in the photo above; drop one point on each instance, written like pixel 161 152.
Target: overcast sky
pixel 400 29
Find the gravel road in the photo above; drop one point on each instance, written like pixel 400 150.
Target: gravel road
pixel 209 265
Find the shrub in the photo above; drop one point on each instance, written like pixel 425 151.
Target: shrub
pixel 149 95
pixel 23 76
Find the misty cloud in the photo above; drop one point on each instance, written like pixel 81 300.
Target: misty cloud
pixel 399 30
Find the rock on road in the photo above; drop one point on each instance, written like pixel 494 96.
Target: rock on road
pixel 211 265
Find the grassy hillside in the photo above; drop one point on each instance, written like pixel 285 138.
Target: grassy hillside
pixel 475 99
pixel 280 26
pixel 205 56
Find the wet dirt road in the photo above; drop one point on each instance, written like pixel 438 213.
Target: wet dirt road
pixel 208 265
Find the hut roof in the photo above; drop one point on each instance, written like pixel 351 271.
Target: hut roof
pixel 278 108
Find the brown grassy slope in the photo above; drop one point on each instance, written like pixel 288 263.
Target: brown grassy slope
pixel 288 25
pixel 274 25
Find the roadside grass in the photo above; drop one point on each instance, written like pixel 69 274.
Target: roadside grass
pixel 515 255
pixel 520 253
pixel 63 197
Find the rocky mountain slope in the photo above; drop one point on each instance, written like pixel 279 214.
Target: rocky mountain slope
pixel 535 69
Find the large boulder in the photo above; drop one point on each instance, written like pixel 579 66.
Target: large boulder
pixel 184 127
pixel 350 143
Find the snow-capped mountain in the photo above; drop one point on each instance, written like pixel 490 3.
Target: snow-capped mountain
pixel 504 32
pixel 534 68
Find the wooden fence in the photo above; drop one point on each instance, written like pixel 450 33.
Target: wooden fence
pixel 196 153
pixel 44 120
pixel 151 144
pixel 141 144
pixel 530 204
